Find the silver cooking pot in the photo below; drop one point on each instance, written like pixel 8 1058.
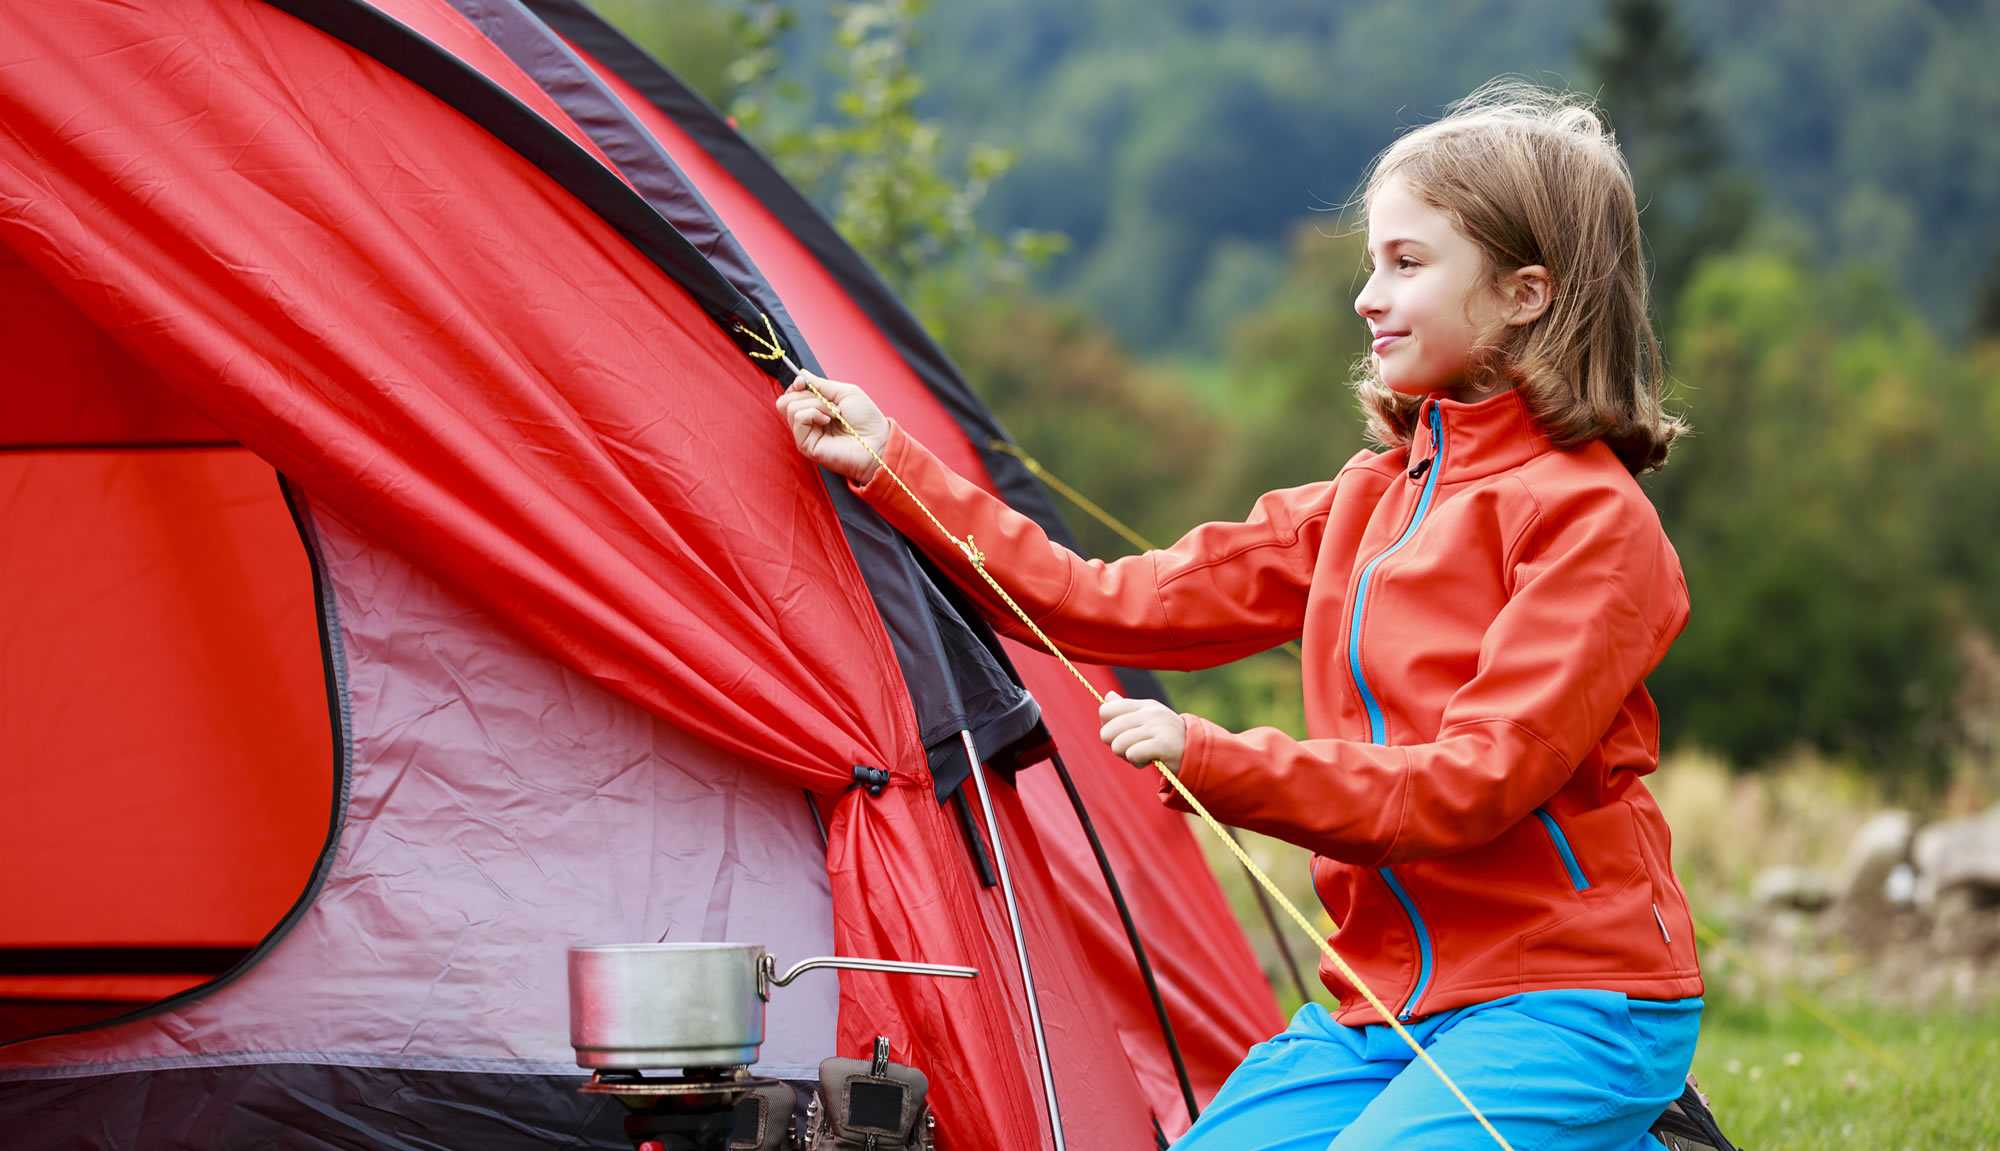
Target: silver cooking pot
pixel 662 1005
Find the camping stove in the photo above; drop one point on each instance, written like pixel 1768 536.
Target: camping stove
pixel 701 1109
pixel 699 1007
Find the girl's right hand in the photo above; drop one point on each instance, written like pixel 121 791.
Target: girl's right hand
pixel 822 439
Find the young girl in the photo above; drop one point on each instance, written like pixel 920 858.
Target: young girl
pixel 1479 606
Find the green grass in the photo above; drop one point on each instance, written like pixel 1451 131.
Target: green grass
pixel 1782 1081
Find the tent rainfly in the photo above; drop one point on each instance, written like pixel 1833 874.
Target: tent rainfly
pixel 404 577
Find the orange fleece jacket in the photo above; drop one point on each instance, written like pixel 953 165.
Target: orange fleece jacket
pixel 1478 613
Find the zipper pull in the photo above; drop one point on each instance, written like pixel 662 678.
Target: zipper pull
pixel 1437 442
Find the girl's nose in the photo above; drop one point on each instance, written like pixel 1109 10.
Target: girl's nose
pixel 1368 304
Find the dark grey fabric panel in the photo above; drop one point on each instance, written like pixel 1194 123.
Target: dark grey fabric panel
pixel 556 69
pixel 1005 721
pixel 308 1107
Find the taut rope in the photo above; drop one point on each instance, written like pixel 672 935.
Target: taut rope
pixel 774 351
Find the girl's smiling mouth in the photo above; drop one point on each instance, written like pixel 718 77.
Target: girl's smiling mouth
pixel 1384 340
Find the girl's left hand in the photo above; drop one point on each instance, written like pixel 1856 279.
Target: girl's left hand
pixel 1143 730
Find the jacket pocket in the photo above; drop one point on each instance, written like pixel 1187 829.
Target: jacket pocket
pixel 1577 878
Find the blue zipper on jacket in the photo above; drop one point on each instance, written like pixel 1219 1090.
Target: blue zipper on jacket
pixel 1576 877
pixel 1378 731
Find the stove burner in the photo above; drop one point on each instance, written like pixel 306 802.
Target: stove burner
pixel 707 1109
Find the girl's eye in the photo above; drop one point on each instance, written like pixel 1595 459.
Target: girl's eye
pixel 1405 263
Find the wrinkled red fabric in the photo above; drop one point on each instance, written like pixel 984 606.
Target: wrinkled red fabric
pixel 167 761
pixel 445 349
pixel 1209 977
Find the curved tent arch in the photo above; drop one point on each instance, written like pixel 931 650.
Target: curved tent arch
pixel 493 438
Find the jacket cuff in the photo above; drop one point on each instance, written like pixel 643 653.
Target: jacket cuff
pixel 1195 766
pixel 881 488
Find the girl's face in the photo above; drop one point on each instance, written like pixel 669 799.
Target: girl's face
pixel 1429 300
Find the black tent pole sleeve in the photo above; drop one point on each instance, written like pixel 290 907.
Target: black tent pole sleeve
pixel 1131 935
pixel 812 805
pixel 977 846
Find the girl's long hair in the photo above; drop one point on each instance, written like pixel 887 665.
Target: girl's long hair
pixel 1534 177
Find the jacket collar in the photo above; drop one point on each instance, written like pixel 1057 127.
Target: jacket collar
pixel 1480 438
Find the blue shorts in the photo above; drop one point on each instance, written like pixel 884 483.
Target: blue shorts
pixel 1569 1070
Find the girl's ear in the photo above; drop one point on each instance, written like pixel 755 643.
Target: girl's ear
pixel 1528 292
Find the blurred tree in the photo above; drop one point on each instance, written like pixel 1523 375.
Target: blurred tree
pixel 756 86
pixel 879 167
pixel 1649 81
pixel 694 38
pixel 1178 141
pixel 1868 121
pixel 1834 517
pixel 1291 364
pixel 1128 435
pixel 1871 122
pixel 1985 324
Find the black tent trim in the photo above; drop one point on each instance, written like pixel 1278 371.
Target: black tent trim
pixel 119 960
pixel 953 684
pixel 259 1105
pixel 695 116
pixel 122 446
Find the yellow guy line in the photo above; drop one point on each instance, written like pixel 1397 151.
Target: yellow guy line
pixel 978 561
pixel 1708 934
pixel 1089 505
pixel 1093 509
pixel 1714 938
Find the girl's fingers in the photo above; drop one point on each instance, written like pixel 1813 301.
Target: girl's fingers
pixel 1117 725
pixel 803 408
pixel 805 382
pixel 1117 705
pixel 1140 748
pixel 1125 731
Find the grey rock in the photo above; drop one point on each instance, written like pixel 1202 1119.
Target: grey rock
pixel 1966 921
pixel 1877 847
pixel 1959 853
pixel 1793 886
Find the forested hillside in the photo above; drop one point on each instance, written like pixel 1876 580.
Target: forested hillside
pixel 1176 141
pixel 1822 200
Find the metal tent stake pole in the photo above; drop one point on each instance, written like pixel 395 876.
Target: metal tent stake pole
pixel 1020 939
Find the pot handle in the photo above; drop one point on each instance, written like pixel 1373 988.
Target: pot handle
pixel 767 969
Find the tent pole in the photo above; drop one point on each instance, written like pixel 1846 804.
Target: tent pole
pixel 812 805
pixel 1020 939
pixel 1131 936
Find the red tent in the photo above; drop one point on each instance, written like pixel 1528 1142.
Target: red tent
pixel 406 579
